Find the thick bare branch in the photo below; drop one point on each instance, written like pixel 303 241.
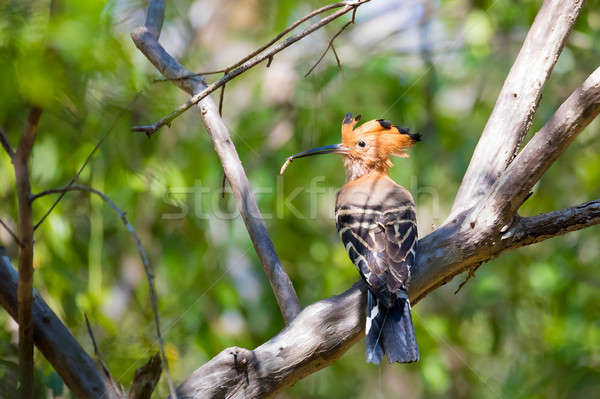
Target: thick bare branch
pixel 320 334
pixel 455 247
pixel 198 96
pixel 25 230
pixel 236 175
pixel 529 230
pixel 155 17
pixel 510 191
pixel 54 340
pixel 143 256
pixel 323 331
pixel 517 102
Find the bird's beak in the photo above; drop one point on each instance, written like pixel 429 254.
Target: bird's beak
pixel 330 149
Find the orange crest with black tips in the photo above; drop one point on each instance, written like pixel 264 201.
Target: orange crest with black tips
pixel 376 140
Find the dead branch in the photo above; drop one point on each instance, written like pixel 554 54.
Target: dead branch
pixel 99 358
pixel 55 341
pixel 517 102
pixel 232 166
pixel 21 166
pixel 330 46
pixel 511 189
pixel 141 250
pixel 319 335
pixel 197 97
pixel 533 229
pixel 264 47
pixel 323 331
pixel 491 217
pixel 462 243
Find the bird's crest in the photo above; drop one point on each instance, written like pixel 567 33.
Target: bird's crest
pixel 369 146
pixel 386 139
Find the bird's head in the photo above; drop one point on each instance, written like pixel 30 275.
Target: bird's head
pixel 366 148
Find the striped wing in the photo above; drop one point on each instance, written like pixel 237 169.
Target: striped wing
pixel 382 245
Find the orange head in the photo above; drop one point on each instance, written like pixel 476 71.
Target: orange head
pixel 367 147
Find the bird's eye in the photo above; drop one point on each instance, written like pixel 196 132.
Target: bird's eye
pixel 362 144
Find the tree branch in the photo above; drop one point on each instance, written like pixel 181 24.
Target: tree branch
pixel 323 331
pixel 87 161
pixel 264 47
pixel 12 234
pixel 143 256
pixel 517 102
pixel 6 144
pixel 319 335
pixel 25 228
pixel 99 358
pixel 510 191
pixel 330 46
pixel 533 229
pixel 54 340
pixel 197 97
pixel 145 379
pixel 236 175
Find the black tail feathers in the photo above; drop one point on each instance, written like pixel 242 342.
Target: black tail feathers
pixel 390 331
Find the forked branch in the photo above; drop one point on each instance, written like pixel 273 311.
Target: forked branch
pixel 511 189
pixel 55 341
pixel 252 62
pixel 143 256
pixel 232 166
pixel 323 331
pixel 518 100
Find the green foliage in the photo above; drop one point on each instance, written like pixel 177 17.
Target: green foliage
pixel 525 327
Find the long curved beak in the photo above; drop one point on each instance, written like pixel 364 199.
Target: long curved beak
pixel 330 149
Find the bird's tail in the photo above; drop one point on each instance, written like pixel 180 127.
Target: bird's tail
pixel 390 331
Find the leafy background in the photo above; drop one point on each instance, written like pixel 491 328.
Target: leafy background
pixel 526 327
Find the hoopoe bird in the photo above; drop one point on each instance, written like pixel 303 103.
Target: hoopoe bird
pixel 376 222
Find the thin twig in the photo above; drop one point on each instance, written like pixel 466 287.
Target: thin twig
pixel 241 68
pixel 330 45
pixel 87 160
pixel 142 252
pixel 266 46
pixel 470 275
pixel 337 58
pixel 12 234
pixel 223 182
pixel 190 75
pixel 221 95
pixel 99 357
pixel 6 144
pixel 25 230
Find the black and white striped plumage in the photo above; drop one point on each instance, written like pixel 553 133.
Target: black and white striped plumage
pixel 376 222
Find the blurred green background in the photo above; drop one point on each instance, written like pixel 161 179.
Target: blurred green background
pixel 526 327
